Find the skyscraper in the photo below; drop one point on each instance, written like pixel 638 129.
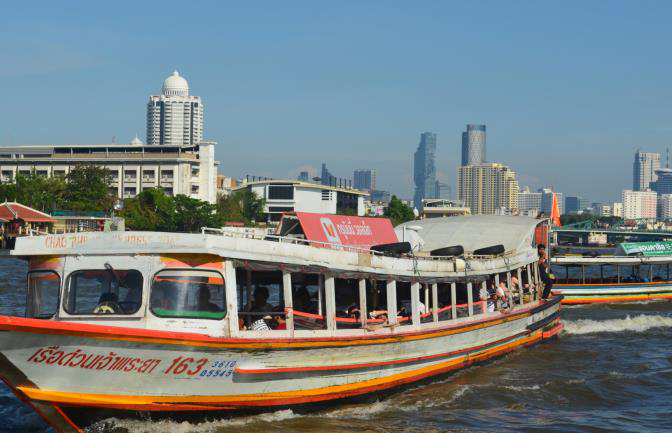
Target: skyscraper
pixel 487 187
pixel 443 191
pixel 528 200
pixel 473 145
pixel 424 171
pixel 365 179
pixel 644 170
pixel 547 200
pixel 174 117
pixel 326 177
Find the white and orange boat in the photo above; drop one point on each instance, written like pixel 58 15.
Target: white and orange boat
pixel 148 324
pixel 635 272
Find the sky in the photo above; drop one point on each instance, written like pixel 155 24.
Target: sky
pixel 568 90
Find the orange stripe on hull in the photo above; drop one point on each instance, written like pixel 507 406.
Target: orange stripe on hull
pixel 568 300
pixel 192 403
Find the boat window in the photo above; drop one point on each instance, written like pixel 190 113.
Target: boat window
pixel 104 291
pixel 308 301
pixel 43 291
pixel 404 307
pixel 376 302
pixel 188 294
pixel 346 293
pixel 445 301
pixel 261 304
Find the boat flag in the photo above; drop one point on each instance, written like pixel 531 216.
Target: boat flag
pixel 555 211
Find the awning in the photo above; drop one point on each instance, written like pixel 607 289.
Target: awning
pixel 13 211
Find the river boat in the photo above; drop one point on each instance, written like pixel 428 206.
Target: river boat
pixel 635 272
pixel 184 326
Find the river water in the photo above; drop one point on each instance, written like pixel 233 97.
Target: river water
pixel 610 370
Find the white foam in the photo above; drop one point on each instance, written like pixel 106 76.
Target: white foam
pixel 203 427
pixel 360 411
pixel 640 323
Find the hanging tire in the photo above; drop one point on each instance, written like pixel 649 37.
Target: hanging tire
pixel 490 251
pixel 455 250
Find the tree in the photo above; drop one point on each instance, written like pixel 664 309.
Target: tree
pixel 398 212
pixel 192 214
pixel 243 205
pixel 39 192
pixel 88 189
pixel 150 210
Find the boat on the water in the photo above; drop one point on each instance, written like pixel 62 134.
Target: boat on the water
pixel 145 324
pixel 635 272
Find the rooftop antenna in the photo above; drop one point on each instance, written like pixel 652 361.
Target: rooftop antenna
pixel 667 157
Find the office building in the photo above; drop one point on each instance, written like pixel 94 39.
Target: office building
pixel 575 204
pixel 547 200
pixel 294 196
pixel 663 182
pixel 424 170
pixel 617 209
pixel 365 179
pixel 487 187
pixel 639 204
pixel 187 170
pixel 443 191
pixel 473 145
pixel 380 196
pixel 644 170
pixel 665 207
pixel 174 117
pixel 304 176
pixel 529 201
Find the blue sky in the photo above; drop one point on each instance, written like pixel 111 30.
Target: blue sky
pixel 568 90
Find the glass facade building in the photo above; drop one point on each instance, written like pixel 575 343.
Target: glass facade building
pixel 473 145
pixel 424 169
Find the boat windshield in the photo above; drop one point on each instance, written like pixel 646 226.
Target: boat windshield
pixel 189 294
pixel 104 291
pixel 43 291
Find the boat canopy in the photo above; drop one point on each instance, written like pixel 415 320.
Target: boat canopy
pixel 515 233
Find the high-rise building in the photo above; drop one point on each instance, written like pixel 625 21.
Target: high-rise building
pixel 487 187
pixel 528 201
pixel 639 204
pixel 174 117
pixel 644 170
pixel 663 182
pixel 365 179
pixel 380 196
pixel 473 145
pixel 665 206
pixel 424 170
pixel 574 204
pixel 303 176
pixel 547 200
pixel 617 209
pixel 327 178
pixel 443 191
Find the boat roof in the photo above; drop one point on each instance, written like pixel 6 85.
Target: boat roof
pixel 610 260
pixel 515 233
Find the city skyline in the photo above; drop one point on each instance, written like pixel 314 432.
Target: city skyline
pixel 548 85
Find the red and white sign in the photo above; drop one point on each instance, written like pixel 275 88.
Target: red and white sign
pixel 347 230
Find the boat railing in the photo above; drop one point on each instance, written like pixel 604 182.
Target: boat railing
pixel 252 234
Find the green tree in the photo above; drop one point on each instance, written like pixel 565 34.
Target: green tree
pixel 575 218
pixel 192 214
pixel 39 192
pixel 243 205
pixel 398 212
pixel 150 210
pixel 88 189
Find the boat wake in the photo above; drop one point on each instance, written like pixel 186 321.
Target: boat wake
pixel 640 323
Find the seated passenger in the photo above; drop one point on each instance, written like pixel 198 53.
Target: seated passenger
pixel 261 324
pixel 259 303
pixel 204 303
pixel 301 300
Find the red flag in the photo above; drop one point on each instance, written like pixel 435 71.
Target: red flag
pixel 555 211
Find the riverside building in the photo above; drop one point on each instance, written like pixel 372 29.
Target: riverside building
pixel 487 187
pixel 295 196
pixel 639 204
pixel 134 167
pixel 175 117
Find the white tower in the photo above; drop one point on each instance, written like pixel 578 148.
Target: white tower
pixel 174 117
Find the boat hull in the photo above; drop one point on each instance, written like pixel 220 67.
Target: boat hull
pixel 574 294
pixel 75 374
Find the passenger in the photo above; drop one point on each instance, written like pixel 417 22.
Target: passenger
pixel 204 303
pixel 279 320
pixel 301 300
pixel 259 303
pixel 261 324
pixel 485 296
pixel 502 294
pixel 543 271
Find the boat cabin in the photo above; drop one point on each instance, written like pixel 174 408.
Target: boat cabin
pixel 224 284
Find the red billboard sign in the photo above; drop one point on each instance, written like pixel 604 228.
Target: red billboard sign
pixel 347 230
